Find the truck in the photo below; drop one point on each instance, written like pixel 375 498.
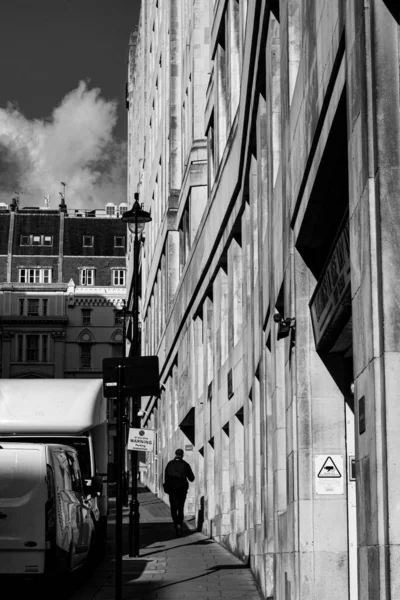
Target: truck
pixel 72 412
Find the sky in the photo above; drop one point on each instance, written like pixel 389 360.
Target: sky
pixel 63 70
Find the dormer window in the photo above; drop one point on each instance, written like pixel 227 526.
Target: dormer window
pixel 88 241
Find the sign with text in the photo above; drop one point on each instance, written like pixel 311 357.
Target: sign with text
pixel 329 474
pixel 141 439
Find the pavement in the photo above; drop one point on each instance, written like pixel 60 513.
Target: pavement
pixel 168 568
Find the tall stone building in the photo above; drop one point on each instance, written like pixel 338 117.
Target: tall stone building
pixel 264 139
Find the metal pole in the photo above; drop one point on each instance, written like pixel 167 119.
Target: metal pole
pixel 120 474
pixel 125 419
pixel 134 516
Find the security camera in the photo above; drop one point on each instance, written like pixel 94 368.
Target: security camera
pixel 142 413
pixel 277 318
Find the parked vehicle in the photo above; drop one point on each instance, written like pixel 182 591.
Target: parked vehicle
pixel 46 524
pixel 63 411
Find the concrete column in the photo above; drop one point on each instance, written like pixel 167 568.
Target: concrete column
pixel 59 353
pixel 318 430
pixel 172 252
pixel 235 282
pixel 372 50
pixel 6 339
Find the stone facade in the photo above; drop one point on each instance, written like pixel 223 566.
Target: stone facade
pixel 264 139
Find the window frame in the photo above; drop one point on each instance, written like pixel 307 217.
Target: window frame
pixel 83 276
pixel 86 313
pixel 116 275
pixel 119 237
pixel 30 349
pixel 33 302
pixel 35 275
pixel 85 354
pixel 84 240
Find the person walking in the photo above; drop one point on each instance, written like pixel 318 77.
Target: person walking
pixel 178 473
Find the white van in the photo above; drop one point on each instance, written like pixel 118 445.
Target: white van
pixel 46 525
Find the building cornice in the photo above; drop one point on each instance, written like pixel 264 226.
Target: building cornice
pixel 21 320
pixel 33 287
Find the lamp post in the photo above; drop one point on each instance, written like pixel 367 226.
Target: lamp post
pixel 124 313
pixel 136 218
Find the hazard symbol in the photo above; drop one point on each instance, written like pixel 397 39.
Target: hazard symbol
pixel 329 469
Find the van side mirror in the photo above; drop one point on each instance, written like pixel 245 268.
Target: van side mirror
pixel 94 487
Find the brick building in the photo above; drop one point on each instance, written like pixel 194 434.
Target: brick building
pixel 62 279
pixel 264 138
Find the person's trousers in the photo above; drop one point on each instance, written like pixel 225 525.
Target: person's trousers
pixel 177 503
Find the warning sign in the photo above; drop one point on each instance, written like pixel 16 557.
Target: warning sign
pixel 329 474
pixel 141 439
pixel 329 469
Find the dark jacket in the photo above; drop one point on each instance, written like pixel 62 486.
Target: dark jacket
pixel 177 474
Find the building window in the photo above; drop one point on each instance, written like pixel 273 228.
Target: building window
pixel 45 348
pixel 119 241
pixel 88 241
pixel 32 348
pixel 87 276
pixel 118 276
pixel 45 303
pixel 35 276
pixel 86 316
pixel 110 210
pixel 86 356
pixel 33 307
pixel 21 306
pixel 36 240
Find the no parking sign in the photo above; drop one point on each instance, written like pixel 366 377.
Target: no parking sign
pixel 141 439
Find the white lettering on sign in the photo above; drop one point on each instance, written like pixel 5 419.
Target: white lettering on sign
pixel 329 474
pixel 141 440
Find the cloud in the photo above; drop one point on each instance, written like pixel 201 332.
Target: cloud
pixel 75 145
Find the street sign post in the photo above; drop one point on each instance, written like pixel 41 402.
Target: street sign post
pixel 134 376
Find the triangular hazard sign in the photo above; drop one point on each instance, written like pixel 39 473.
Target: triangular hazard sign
pixel 329 469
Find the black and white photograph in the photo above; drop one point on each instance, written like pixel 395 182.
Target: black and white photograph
pixel 200 299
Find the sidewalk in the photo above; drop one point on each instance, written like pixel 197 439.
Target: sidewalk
pixel 169 568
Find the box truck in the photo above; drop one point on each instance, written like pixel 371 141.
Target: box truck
pixel 46 524
pixel 63 411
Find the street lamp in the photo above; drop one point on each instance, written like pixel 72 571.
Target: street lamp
pixel 136 218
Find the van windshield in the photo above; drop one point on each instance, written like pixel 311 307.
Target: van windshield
pixel 81 445
pixel 19 471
